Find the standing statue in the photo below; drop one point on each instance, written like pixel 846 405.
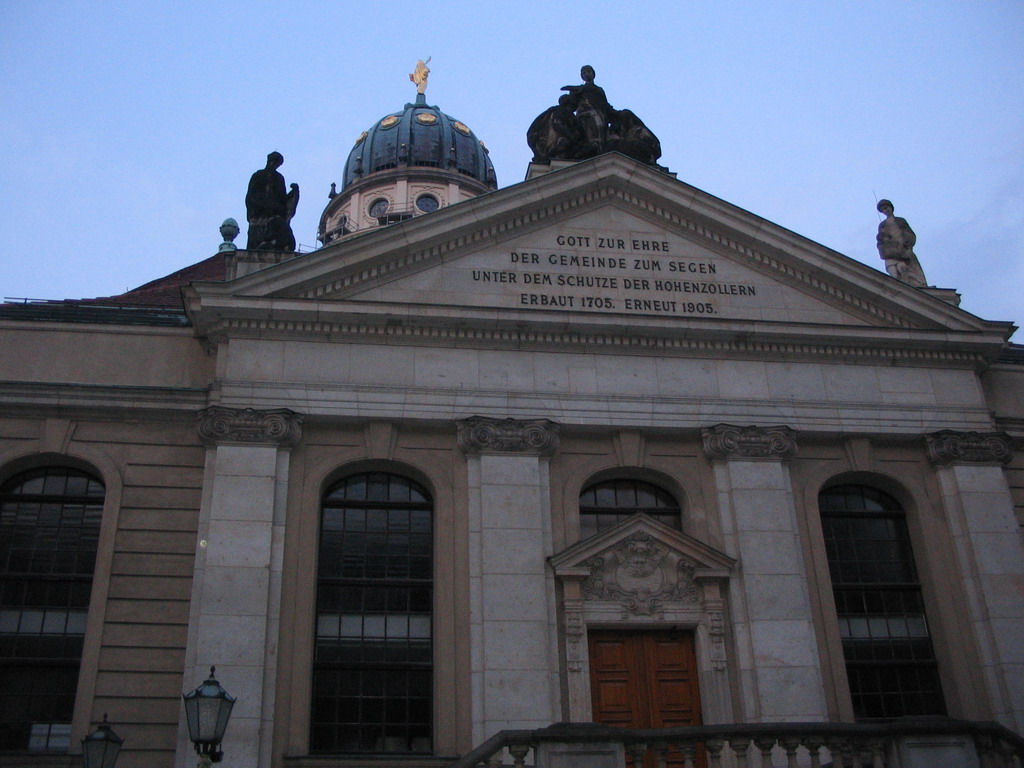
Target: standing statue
pixel 420 75
pixel 896 242
pixel 270 209
pixel 584 124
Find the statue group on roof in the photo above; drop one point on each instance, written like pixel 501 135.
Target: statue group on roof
pixel 583 124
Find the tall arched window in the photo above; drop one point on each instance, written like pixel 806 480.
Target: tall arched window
pixel 890 662
pixel 604 504
pixel 372 669
pixel 49 530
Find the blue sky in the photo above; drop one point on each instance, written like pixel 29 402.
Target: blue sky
pixel 131 128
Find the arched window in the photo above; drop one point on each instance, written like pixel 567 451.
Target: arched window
pixel 372 669
pixel 890 662
pixel 604 504
pixel 49 530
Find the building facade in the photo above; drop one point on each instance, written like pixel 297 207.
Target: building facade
pixel 594 446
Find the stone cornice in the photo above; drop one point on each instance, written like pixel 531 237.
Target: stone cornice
pixel 217 425
pixel 726 441
pixel 538 330
pixel 949 447
pixel 480 434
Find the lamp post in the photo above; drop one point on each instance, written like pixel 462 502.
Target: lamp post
pixel 101 747
pixel 207 710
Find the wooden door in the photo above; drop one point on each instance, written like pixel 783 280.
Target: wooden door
pixel 644 680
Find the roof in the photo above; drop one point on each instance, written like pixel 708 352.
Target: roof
pixel 158 302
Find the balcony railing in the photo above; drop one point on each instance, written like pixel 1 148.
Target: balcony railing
pixel 906 743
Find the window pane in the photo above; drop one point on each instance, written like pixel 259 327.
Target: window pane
pixel 890 662
pixel 49 529
pixel 605 504
pixel 374 599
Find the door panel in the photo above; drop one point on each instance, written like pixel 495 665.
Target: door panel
pixel 644 680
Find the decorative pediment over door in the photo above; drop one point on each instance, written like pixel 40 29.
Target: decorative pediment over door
pixel 641 574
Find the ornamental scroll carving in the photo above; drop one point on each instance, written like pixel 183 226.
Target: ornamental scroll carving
pixel 218 424
pixel 479 434
pixel 726 441
pixel 949 447
pixel 642 575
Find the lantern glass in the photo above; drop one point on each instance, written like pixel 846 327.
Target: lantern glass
pixel 101 747
pixel 207 710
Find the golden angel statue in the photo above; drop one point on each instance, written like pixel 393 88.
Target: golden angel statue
pixel 420 75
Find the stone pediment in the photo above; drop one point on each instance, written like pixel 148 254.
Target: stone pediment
pixel 607 245
pixel 641 565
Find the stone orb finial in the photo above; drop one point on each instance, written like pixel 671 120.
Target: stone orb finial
pixel 229 231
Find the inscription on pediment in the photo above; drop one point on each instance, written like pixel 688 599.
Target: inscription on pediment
pixel 608 262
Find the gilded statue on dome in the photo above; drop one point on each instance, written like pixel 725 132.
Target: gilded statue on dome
pixel 420 75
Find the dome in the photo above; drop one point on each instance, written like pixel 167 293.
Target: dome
pixel 420 136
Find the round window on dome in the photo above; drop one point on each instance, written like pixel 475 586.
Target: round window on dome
pixel 389 121
pixel 427 118
pixel 427 203
pixel 379 207
pixel 461 128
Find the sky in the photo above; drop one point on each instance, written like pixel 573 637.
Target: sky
pixel 131 128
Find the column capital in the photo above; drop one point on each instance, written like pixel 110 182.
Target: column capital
pixel 480 434
pixel 730 442
pixel 952 447
pixel 218 424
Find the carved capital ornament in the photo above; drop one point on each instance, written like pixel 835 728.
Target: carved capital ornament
pixel 951 447
pixel 218 424
pixel 480 434
pixel 726 441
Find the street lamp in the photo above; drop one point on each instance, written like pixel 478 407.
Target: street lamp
pixel 207 710
pixel 101 747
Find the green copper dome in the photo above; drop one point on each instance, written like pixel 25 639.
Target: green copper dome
pixel 420 136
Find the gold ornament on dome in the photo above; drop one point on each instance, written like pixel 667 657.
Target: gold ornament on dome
pixel 461 128
pixel 426 118
pixel 389 121
pixel 420 75
pixel 362 137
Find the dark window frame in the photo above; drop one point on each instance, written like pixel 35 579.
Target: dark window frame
pixel 372 686
pixel 50 520
pixel 890 660
pixel 608 502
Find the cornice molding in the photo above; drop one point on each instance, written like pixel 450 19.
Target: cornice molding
pixel 637 341
pixel 949 447
pixel 481 434
pixel 729 442
pixel 220 425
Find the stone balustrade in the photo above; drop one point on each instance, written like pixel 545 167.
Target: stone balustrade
pixel 907 743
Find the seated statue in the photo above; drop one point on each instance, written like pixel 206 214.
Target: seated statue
pixel 896 242
pixel 269 209
pixel 628 134
pixel 555 133
pixel 584 124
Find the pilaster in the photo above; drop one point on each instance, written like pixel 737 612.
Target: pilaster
pixel 512 605
pixel 236 588
pixel 987 542
pixel 777 656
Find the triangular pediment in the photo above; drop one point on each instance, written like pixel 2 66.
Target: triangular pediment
pixel 605 246
pixel 641 537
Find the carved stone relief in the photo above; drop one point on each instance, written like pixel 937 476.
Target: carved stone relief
pixel 726 441
pixel 218 424
pixel 949 447
pixel 641 574
pixel 479 434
